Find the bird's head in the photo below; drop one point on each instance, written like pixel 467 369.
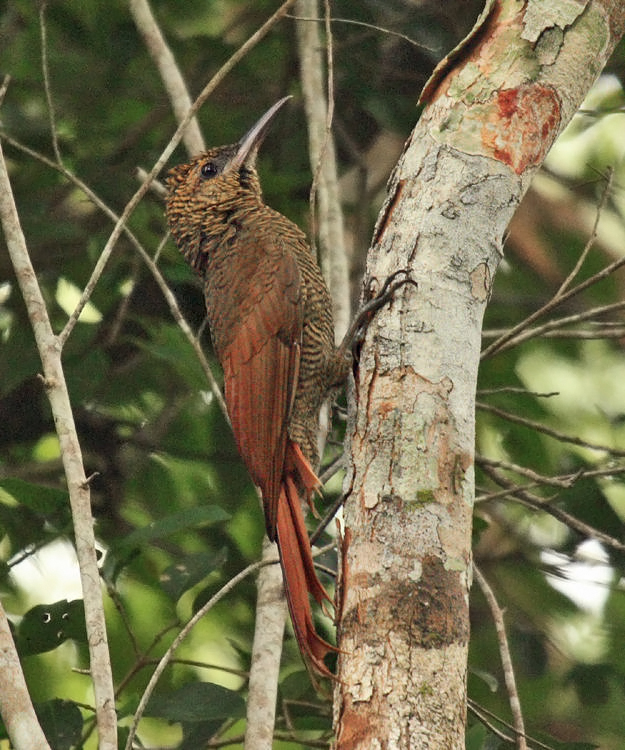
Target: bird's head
pixel 221 176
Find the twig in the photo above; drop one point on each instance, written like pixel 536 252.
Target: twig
pixel 514 389
pixel 143 660
pixel 564 482
pixel 371 26
pixel 243 673
pixel 522 495
pixel 290 737
pixel 236 740
pixel 539 427
pixel 46 81
pixel 56 389
pixel 593 235
pixel 551 327
pixel 506 659
pixel 512 491
pixel 123 614
pixel 481 713
pixel 613 471
pixel 16 708
pixel 235 58
pixel 504 341
pixel 170 74
pixel 331 469
pixel 588 334
pixel 122 311
pixel 323 524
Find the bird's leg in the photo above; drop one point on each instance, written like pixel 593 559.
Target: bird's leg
pixel 353 338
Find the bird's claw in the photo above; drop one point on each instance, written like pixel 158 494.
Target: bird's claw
pixel 365 314
pixel 389 288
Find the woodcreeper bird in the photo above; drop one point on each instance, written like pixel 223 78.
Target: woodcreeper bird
pixel 270 318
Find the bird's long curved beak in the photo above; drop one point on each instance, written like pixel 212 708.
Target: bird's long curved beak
pixel 251 141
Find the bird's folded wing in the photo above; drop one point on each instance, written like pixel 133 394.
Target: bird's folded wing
pixel 261 367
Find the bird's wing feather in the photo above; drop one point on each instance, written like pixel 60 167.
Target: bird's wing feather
pixel 261 367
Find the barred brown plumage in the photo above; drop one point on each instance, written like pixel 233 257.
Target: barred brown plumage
pixel 270 318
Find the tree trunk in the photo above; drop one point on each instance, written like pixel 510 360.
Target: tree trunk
pixel 494 109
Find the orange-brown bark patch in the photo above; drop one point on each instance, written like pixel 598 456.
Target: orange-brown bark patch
pixel 520 125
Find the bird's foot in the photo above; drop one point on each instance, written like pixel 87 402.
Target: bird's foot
pixel 355 335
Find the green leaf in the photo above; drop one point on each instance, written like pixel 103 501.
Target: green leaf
pixel 198 734
pixel 185 519
pixel 487 677
pixel 296 685
pixel 190 570
pixel 197 702
pixel 166 344
pixel 46 626
pixel 40 499
pixel 475 738
pixel 121 552
pixel 592 682
pixel 61 722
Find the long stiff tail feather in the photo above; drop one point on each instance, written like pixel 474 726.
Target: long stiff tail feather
pixel 300 577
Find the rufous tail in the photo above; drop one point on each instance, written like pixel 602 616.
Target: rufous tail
pixel 300 578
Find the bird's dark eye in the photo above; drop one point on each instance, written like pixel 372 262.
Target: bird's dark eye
pixel 208 170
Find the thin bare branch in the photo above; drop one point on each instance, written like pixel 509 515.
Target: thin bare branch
pixel 611 471
pixel 143 660
pixel 506 658
pixel 539 427
pixel 56 390
pixel 331 469
pixel 523 471
pixel 43 30
pixel 325 521
pixel 170 74
pixel 16 707
pixel 593 235
pixel 552 328
pixel 588 334
pixel 504 341
pixel 482 713
pixel 514 389
pixel 371 26
pixel 521 494
pixel 609 331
